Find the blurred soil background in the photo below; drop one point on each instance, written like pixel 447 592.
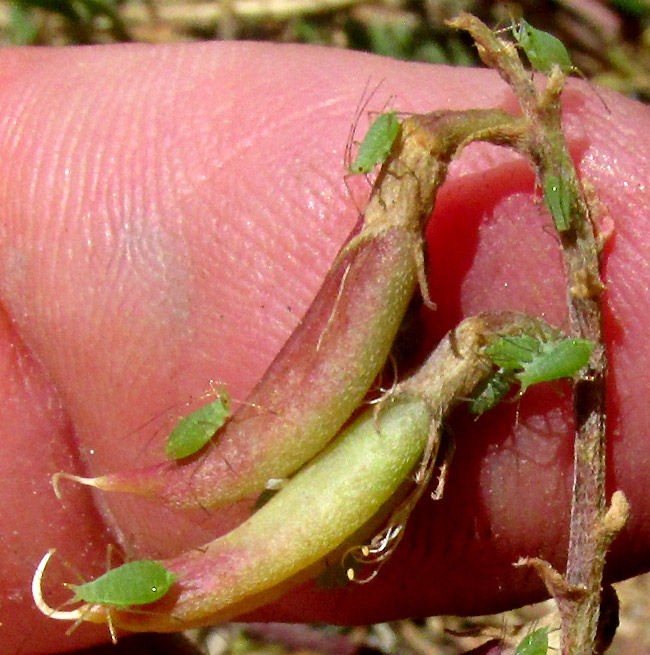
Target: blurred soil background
pixel 609 42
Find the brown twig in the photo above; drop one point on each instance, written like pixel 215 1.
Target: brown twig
pixel 592 525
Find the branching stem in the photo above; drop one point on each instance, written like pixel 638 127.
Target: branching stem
pixel 579 595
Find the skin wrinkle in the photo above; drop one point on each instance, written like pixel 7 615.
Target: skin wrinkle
pixel 239 241
pixel 29 385
pixel 260 236
pixel 118 287
pixel 247 242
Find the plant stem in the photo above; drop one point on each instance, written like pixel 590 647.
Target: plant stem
pixel 578 594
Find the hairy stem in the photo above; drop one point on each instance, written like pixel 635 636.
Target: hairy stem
pixel 591 528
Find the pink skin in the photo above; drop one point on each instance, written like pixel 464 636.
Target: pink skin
pixel 168 215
